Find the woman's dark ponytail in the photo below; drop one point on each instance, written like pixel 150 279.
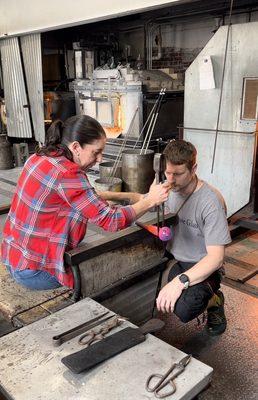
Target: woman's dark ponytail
pixel 53 144
pixel 54 133
pixel 80 128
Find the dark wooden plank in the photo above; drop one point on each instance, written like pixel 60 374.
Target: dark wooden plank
pixel 243 287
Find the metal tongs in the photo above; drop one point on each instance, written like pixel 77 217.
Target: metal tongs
pixel 78 330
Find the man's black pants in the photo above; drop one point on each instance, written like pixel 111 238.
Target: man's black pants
pixel 194 300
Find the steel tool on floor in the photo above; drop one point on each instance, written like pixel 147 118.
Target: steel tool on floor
pixel 77 330
pixel 165 380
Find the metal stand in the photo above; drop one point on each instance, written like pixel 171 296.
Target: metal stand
pixel 77 283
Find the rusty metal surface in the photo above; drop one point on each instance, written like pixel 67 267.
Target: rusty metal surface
pixel 136 302
pixel 233 355
pixel 108 268
pixel 15 298
pixel 111 241
pixel 5 327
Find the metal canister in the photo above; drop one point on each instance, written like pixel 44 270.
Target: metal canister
pixel 110 169
pixel 6 156
pixel 137 170
pixel 108 184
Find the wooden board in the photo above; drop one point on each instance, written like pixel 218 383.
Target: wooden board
pixel 239 272
pixel 253 281
pixel 241 262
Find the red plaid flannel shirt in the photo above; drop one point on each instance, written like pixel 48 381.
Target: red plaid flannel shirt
pixel 50 209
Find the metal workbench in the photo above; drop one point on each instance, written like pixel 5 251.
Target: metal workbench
pixel 31 366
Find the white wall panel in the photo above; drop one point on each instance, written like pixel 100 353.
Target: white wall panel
pixel 24 16
pixel 234 158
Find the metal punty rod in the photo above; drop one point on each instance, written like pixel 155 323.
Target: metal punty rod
pixel 155 118
pixel 151 121
pixel 113 171
pixel 146 123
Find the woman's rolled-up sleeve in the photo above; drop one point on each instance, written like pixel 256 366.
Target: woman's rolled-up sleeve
pixel 75 189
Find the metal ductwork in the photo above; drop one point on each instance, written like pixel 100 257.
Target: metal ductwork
pixel 31 50
pixel 22 78
pixel 17 108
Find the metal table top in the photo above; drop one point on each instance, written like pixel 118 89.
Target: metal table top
pixel 31 367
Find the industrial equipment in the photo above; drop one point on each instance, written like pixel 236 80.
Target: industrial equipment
pixel 225 116
pixel 112 97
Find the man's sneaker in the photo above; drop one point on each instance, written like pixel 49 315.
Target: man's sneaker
pixel 216 320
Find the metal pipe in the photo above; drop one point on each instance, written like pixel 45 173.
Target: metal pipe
pixel 149 116
pixel 123 146
pixel 151 122
pixel 222 85
pixel 155 118
pixel 214 130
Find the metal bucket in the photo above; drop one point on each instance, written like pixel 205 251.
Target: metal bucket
pixel 137 170
pixel 108 184
pixel 6 156
pixel 106 169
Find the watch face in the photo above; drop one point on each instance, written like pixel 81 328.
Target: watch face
pixel 183 278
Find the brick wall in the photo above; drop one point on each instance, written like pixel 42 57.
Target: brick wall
pixel 178 59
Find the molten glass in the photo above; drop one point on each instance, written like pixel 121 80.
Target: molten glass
pixel 165 234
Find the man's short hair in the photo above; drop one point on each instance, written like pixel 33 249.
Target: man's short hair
pixel 179 152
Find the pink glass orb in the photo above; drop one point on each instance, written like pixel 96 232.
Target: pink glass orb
pixel 165 233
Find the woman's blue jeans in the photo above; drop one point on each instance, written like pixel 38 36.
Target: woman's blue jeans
pixel 35 280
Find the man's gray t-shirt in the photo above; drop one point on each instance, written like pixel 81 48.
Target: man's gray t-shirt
pixel 202 222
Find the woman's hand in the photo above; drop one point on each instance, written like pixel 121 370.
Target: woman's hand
pixel 158 193
pixel 121 196
pixel 133 197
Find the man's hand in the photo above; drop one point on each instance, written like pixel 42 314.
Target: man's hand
pixel 169 295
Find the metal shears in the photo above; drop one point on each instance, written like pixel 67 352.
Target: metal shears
pixel 164 380
pixel 92 336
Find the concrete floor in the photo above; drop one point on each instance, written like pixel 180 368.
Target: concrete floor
pixel 233 355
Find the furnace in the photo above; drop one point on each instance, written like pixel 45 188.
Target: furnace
pixel 114 98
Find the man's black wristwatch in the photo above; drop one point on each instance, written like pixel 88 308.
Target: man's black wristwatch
pixel 185 280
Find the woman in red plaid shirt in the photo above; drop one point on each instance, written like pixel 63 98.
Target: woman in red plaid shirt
pixel 54 201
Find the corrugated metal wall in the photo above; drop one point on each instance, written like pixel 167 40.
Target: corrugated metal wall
pixel 18 119
pixel 31 50
pixel 23 97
